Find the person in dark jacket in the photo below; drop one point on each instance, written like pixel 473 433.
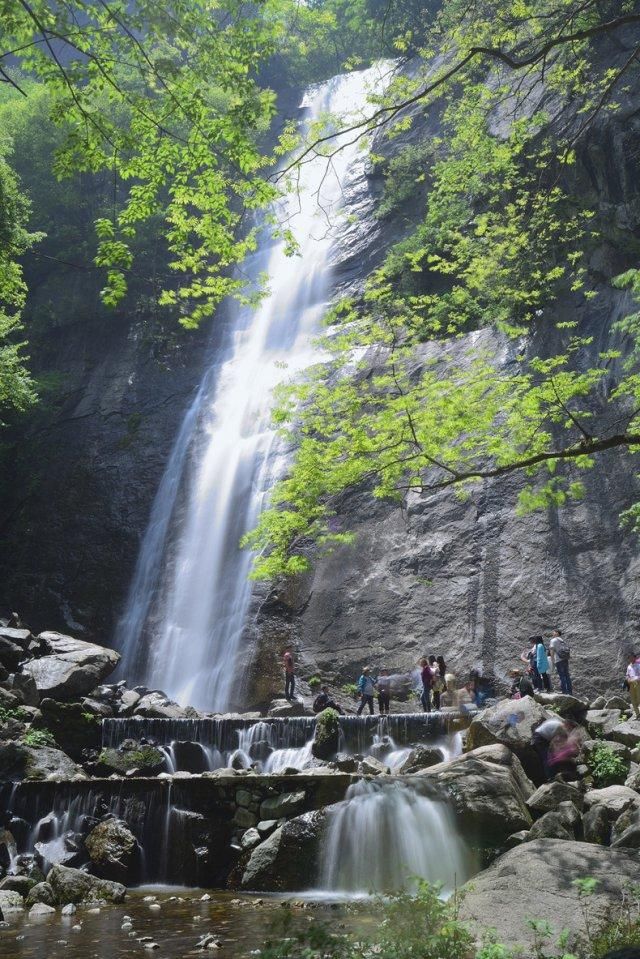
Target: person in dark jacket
pixel 324 701
pixel 289 674
pixel 426 677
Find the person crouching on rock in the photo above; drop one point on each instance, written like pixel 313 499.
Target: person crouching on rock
pixel 324 701
pixel 366 687
pixel 541 740
pixel 384 691
pixel 289 676
pixel 426 677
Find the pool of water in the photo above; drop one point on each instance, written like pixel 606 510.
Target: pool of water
pixel 241 924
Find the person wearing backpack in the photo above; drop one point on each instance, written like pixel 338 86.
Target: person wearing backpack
pixel 560 654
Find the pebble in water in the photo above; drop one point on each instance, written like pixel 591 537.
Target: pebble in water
pixel 126 926
pixel 155 906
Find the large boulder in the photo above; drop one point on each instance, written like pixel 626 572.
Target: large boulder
pixel 536 882
pixel 285 707
pixel 284 805
pixel 488 790
pixel 71 668
pixel 71 725
pixel 155 705
pixel 563 704
pixel 19 761
pixel 596 826
pixel 549 796
pixel 41 892
pixel 114 851
pixel 422 757
pixel 551 826
pixel 76 886
pixel 615 800
pixel 11 654
pixel 24 688
pixel 283 861
pixel 511 723
pixel 627 733
pixel 10 901
pixel 601 722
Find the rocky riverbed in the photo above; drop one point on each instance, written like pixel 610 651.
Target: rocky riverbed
pixel 88 812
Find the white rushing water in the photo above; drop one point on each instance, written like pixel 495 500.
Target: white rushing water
pixel 384 836
pixel 189 598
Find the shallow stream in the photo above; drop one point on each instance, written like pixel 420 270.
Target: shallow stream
pixel 241 924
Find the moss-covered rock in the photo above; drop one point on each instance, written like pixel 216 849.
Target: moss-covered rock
pixel 148 759
pixel 19 761
pixel 327 738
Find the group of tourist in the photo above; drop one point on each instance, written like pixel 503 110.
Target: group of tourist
pixel 540 658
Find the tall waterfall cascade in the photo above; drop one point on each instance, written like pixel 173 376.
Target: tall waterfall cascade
pixel 189 600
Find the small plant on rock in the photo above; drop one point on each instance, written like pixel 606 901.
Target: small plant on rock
pixel 36 738
pixel 315 682
pixel 607 767
pixel 351 689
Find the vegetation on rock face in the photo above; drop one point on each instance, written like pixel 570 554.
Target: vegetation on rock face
pixel 607 767
pixel 38 737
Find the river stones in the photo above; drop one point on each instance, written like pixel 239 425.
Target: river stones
pixel 71 668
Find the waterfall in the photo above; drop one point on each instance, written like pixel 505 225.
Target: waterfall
pixel 384 836
pixel 275 743
pixel 189 599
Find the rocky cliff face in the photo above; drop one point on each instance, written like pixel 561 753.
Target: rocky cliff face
pixel 465 578
pixel 469 578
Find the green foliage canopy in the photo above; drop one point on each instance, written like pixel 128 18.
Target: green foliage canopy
pixel 438 375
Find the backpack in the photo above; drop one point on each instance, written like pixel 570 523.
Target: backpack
pixel 561 649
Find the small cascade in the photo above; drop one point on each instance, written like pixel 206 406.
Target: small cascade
pixel 384 836
pixel 53 823
pixel 274 744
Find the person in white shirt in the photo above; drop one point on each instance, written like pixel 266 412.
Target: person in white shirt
pixel 560 653
pixel 633 681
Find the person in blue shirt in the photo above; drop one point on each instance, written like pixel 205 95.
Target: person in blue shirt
pixel 367 687
pixel 542 663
